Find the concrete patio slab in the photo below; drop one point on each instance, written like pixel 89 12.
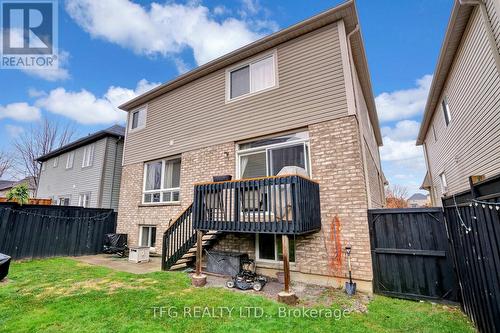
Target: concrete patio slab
pixel 122 264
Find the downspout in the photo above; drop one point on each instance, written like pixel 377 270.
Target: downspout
pixel 114 172
pixel 487 26
pixel 360 131
pixel 427 164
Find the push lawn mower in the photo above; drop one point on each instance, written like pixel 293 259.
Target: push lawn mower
pixel 247 278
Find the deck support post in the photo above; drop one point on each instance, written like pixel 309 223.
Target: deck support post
pixel 198 279
pixel 286 296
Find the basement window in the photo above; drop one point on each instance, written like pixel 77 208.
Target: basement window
pixel 147 236
pixel 270 248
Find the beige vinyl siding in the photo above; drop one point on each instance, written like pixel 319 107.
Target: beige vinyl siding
pixel 493 10
pixel 112 173
pixel 59 181
pixel 470 144
pixel 311 90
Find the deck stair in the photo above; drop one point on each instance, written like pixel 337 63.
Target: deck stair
pixel 179 242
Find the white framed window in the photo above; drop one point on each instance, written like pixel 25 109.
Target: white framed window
pixel 137 119
pixel 55 163
pixel 43 165
pixel 444 184
pixel 268 156
pixel 147 236
pixel 70 159
pixel 251 77
pixel 64 200
pixel 446 111
pixel 269 247
pixel 162 181
pixel 88 156
pixel 84 200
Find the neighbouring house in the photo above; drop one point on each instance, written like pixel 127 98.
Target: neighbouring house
pixel 86 172
pixel 7 185
pixel 418 200
pixel 459 131
pixel 292 119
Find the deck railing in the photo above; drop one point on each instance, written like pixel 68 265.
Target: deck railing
pixel 279 204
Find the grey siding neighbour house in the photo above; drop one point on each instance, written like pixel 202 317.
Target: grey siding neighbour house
pixel 468 78
pixel 100 180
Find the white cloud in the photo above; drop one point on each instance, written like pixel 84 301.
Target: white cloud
pixel 85 108
pixel 394 150
pixel 403 104
pixel 162 29
pixel 181 66
pixel 20 111
pixel 404 130
pixel 14 131
pixel 52 74
pixel 32 92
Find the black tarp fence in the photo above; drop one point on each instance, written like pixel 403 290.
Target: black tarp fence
pixel 34 231
pixel 473 223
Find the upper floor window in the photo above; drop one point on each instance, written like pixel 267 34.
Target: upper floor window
pixel 70 159
pixel 137 119
pixel 162 181
pixel 56 162
pixel 446 111
pixel 88 156
pixel 444 184
pixel 252 77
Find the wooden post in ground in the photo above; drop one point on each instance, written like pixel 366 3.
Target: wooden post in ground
pixel 286 296
pixel 199 279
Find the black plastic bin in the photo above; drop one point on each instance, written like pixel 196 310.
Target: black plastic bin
pixel 4 265
pixel 225 263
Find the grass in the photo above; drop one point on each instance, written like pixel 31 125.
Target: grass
pixel 62 295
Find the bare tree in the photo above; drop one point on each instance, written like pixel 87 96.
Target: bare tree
pixel 396 196
pixel 40 140
pixel 5 163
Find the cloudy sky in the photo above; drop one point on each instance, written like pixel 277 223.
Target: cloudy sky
pixel 113 50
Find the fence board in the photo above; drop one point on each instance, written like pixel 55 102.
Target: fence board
pixel 476 251
pixel 410 254
pixel 35 231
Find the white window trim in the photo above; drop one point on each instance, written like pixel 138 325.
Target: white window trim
pixel 255 59
pixel 141 227
pixel 63 197
pixel 91 162
pixel 55 162
pixel 444 184
pixel 256 150
pixel 445 105
pixel 80 199
pixel 161 190
pixel 72 155
pixel 257 252
pixel 44 164
pixel 143 108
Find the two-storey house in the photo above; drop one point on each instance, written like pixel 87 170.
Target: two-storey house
pixel 292 119
pixel 461 124
pixel 86 172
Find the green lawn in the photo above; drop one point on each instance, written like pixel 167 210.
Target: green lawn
pixel 62 295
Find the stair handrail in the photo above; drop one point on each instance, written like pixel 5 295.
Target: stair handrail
pixel 178 238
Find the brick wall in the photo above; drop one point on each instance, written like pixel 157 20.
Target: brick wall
pixel 336 164
pixel 336 160
pixel 196 166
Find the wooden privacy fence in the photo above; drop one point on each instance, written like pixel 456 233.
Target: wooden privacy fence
pixel 33 231
pixel 473 221
pixel 410 254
